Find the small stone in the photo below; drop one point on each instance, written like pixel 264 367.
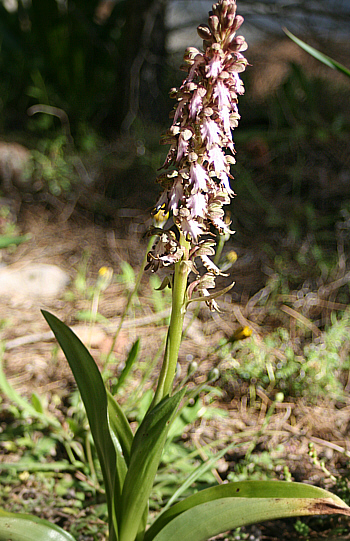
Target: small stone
pixel 36 280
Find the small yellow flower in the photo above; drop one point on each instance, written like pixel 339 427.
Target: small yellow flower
pixel 105 275
pixel 241 333
pixel 103 271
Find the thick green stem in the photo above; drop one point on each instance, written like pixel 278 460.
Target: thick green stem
pixel 167 374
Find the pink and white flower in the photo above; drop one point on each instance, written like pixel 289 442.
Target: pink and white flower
pixel 199 177
pixel 197 203
pixel 206 112
pixel 210 132
pixel 214 66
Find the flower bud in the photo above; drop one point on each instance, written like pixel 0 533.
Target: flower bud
pixel 213 375
pixel 213 23
pixel 237 23
pixel 204 32
pixel 230 159
pixel 230 21
pixel 232 256
pixel 192 368
pixel 190 54
pixel 238 44
pixel 192 157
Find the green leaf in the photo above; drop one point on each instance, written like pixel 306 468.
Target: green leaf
pixel 215 517
pixel 316 54
pixel 37 403
pixel 132 357
pixel 94 396
pixel 122 437
pixel 22 527
pixel 6 241
pixel 145 455
pixel 119 426
pixel 254 490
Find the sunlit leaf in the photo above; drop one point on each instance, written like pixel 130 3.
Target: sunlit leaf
pixel 132 357
pixel 21 527
pixel 316 54
pixel 215 517
pixel 254 491
pixel 145 455
pixel 119 426
pixel 94 396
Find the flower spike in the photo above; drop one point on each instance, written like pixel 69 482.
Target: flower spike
pixel 196 172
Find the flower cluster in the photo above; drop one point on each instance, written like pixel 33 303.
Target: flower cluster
pixel 197 168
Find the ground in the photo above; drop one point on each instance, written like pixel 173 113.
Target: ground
pixel 273 437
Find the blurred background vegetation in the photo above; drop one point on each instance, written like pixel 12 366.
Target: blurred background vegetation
pixel 84 86
pixel 104 68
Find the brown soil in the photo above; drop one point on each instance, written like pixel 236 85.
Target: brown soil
pixel 36 366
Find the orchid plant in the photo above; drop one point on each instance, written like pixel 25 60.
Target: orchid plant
pixel 196 185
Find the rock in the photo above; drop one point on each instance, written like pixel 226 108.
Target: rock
pixel 16 166
pixel 93 336
pixel 36 280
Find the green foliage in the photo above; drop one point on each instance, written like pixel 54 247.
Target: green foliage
pixel 63 53
pixel 8 230
pixel 6 242
pixel 259 467
pixel 317 369
pixel 225 507
pixel 160 298
pixel 129 363
pixel 21 527
pixel 318 55
pixel 302 528
pixel 90 384
pixel 53 167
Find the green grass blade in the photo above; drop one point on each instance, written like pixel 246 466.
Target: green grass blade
pixel 192 478
pixel 21 527
pixel 22 403
pixel 145 455
pixel 34 466
pixel 132 358
pixel 212 518
pixel 94 396
pixel 244 489
pixel 316 54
